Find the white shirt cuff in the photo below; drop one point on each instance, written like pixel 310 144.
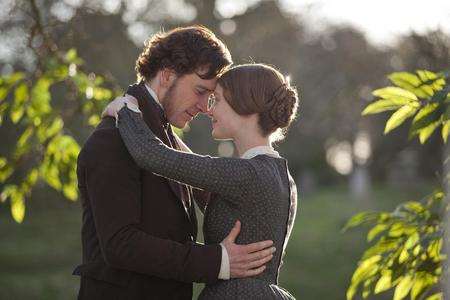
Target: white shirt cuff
pixel 224 265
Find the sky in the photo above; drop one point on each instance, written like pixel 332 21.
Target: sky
pixel 381 20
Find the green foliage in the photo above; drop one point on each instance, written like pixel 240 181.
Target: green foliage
pixel 45 148
pixel 406 251
pixel 425 96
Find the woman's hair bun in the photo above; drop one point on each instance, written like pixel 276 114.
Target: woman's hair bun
pixel 284 105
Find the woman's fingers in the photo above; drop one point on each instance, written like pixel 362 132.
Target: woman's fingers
pixel 114 106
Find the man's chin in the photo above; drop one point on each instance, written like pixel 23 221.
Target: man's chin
pixel 179 124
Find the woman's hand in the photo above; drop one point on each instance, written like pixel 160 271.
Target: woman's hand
pixel 114 106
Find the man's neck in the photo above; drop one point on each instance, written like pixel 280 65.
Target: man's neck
pixel 153 90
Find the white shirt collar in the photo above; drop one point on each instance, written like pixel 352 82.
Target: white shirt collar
pixel 153 94
pixel 259 150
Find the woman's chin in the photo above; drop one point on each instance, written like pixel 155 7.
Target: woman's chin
pixel 214 134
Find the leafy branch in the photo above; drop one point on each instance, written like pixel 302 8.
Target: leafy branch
pixel 39 105
pixel 407 244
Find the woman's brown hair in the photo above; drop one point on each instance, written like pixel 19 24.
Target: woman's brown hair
pixel 184 50
pixel 261 89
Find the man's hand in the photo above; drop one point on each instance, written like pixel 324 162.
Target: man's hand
pixel 247 260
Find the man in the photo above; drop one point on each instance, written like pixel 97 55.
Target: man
pixel 139 229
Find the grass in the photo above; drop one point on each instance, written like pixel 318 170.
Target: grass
pixel 38 256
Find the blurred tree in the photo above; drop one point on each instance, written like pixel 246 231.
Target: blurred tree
pixel 42 145
pixel 407 254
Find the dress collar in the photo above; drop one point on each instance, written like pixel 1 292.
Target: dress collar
pixel 260 150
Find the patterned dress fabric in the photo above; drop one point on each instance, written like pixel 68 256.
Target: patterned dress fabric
pixel 259 192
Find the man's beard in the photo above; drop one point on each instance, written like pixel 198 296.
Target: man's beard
pixel 167 100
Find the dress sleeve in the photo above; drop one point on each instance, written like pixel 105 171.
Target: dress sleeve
pixel 226 176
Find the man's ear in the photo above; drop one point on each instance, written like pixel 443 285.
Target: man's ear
pixel 167 77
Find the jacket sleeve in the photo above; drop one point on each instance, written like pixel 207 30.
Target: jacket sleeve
pixel 113 187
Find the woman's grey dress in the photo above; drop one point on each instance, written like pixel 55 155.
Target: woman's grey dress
pixel 259 192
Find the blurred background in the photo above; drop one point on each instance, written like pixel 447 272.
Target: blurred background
pixel 335 52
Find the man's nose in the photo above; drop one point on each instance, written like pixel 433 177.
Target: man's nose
pixel 202 105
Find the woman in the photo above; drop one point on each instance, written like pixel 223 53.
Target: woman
pixel 253 105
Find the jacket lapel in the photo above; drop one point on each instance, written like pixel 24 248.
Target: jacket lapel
pixel 154 117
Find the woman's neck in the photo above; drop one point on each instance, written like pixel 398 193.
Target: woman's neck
pixel 245 142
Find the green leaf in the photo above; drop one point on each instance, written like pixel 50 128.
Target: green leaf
pixel 32 177
pixel 422 282
pixel 437 296
pixel 71 54
pixel 70 191
pixel 395 93
pixel 403 288
pixel 384 283
pixel 414 206
pixel 3 93
pixel 17 207
pixel 412 240
pixel 426 132
pixel 351 291
pixel 94 120
pixel 72 57
pixel 405 80
pixel 22 145
pixel 431 82
pixel 377 229
pixel 23 139
pixel 18 107
pixel 3 108
pixel 398 229
pixel 47 131
pixel 366 268
pixel 40 98
pixel 384 105
pixel 410 82
pixel 50 173
pixel 445 130
pixel 14 78
pixel 434 249
pixel 404 255
pixel 426 118
pixel 360 218
pixel 102 94
pixel 399 117
pixel 384 245
pixel 3 162
pixel 441 95
pixel 367 288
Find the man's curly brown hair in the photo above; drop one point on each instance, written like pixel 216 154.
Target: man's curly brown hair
pixel 184 50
